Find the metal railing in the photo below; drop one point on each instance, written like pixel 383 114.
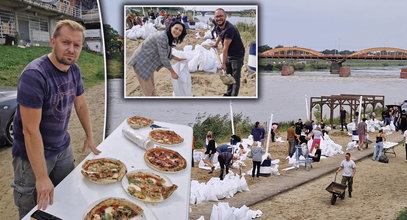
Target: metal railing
pixel 60 7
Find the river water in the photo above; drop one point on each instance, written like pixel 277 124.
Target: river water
pixel 284 96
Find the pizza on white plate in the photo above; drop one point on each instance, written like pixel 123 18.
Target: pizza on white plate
pixel 115 209
pixel 166 160
pixel 165 137
pixel 148 186
pixel 103 170
pixel 137 122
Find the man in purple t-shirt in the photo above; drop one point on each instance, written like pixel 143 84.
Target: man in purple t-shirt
pixel 48 88
pixel 233 50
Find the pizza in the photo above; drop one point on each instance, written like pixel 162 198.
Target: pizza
pixel 149 187
pixel 165 160
pixel 165 137
pixel 137 122
pixel 103 170
pixel 115 208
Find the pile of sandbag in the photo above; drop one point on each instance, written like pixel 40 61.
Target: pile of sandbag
pixel 372 126
pixel 216 189
pixel 137 32
pixel 199 58
pixel 201 25
pixel 272 169
pixel 223 211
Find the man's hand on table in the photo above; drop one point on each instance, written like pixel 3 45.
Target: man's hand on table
pixel 45 192
pixel 88 143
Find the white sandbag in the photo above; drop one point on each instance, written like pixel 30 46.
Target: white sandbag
pixel 183 85
pixel 198 155
pixel 201 25
pixel 201 218
pixel 242 213
pixel 243 184
pixel 197 35
pixel 208 42
pixel 351 145
pixel 208 35
pixel 279 139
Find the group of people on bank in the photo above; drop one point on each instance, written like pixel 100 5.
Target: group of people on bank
pixel 155 52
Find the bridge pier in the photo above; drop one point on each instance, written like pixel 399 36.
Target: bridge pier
pixel 287 70
pixel 403 73
pixel 344 72
pixel 335 67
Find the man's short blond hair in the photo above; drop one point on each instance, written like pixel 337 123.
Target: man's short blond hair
pixel 75 26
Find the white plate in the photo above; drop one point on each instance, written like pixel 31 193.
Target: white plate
pixel 147 214
pixel 166 145
pixel 162 171
pixel 125 183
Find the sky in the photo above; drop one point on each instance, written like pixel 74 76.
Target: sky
pixel 313 24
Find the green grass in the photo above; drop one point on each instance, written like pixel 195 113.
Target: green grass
pixel 14 60
pixel 115 68
pixel 402 214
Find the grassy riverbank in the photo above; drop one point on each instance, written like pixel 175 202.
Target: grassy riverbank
pixel 14 59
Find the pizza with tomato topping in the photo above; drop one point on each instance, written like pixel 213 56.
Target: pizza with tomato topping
pixel 103 170
pixel 137 122
pixel 115 208
pixel 149 187
pixel 165 160
pixel 165 137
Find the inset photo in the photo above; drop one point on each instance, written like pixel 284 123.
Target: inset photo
pixel 206 51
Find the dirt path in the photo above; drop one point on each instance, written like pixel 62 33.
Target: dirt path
pixel 95 98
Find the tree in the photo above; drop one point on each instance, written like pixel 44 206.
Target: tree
pixel 263 48
pixel 112 45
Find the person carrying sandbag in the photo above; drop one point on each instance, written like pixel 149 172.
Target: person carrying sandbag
pixel 154 53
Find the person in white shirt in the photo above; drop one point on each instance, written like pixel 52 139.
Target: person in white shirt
pixel 349 170
pixel 405 142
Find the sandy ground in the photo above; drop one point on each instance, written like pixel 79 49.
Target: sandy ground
pixel 95 99
pixel 203 83
pixel 379 189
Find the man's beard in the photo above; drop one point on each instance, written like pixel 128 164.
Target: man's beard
pixel 223 22
pixel 65 61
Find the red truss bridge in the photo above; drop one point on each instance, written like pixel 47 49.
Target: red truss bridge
pixel 378 53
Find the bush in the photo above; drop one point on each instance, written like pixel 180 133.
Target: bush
pixel 220 126
pixel 402 214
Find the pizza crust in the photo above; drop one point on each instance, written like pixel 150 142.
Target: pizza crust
pixel 122 170
pixel 111 202
pixel 173 134
pixel 137 122
pixel 148 186
pixel 182 163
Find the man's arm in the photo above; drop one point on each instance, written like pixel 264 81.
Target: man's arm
pixel 31 118
pixel 226 44
pixel 82 110
pixel 354 171
pixel 339 169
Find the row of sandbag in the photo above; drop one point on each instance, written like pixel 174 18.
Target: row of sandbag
pixel 374 125
pixel 223 211
pixel 199 58
pixel 216 189
pixel 137 32
pixel 327 145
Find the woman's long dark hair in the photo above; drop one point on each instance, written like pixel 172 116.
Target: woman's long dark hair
pixel 178 40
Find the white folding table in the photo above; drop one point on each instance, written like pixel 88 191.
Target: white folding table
pixel 75 195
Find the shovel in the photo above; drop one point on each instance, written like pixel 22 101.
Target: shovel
pixel 227 79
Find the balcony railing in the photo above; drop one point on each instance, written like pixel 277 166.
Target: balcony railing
pixel 60 8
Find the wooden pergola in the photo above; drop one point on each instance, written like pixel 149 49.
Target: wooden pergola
pixel 351 100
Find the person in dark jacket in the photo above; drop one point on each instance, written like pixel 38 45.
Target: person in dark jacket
pixel 209 153
pixel 258 132
pixel 225 160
